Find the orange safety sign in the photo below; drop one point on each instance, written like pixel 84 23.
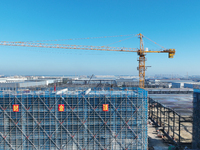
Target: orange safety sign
pixel 15 108
pixel 105 107
pixel 61 107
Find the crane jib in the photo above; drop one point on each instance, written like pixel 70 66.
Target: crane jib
pixel 141 52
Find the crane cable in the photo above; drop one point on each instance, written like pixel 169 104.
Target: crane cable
pixel 121 40
pixel 155 43
pixel 81 38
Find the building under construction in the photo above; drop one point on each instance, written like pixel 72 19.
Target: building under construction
pixel 83 119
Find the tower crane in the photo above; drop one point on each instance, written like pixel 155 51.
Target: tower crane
pixel 141 52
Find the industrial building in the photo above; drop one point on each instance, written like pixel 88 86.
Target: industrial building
pixel 74 119
pixel 16 84
pixel 21 85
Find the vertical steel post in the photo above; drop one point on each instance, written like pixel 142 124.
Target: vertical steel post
pixel 154 115
pixel 173 123
pixel 168 119
pixel 160 115
pixel 157 111
pixel 179 138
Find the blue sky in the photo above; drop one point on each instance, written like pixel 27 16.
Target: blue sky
pixel 171 23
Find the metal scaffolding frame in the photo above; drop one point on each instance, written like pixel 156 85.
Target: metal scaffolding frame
pixel 82 125
pixel 174 126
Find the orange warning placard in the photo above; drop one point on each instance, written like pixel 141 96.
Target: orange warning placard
pixel 105 107
pixel 61 107
pixel 15 108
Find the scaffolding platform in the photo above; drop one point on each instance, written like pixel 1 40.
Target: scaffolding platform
pixel 74 120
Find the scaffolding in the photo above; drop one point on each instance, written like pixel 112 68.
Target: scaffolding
pixel 177 128
pixel 83 123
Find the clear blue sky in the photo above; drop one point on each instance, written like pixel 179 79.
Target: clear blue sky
pixel 171 23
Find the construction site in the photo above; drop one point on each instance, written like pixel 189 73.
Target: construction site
pixel 86 114
pixel 96 114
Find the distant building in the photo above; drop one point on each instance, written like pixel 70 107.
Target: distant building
pixel 127 82
pixel 192 85
pixel 12 79
pixel 24 84
pixel 18 85
pixel 180 83
pixel 177 85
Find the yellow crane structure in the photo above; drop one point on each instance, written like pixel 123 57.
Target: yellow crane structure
pixel 141 52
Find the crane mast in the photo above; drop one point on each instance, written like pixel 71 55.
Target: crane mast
pixel 141 53
pixel 141 60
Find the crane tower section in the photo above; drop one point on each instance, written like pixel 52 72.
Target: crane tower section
pixel 141 60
